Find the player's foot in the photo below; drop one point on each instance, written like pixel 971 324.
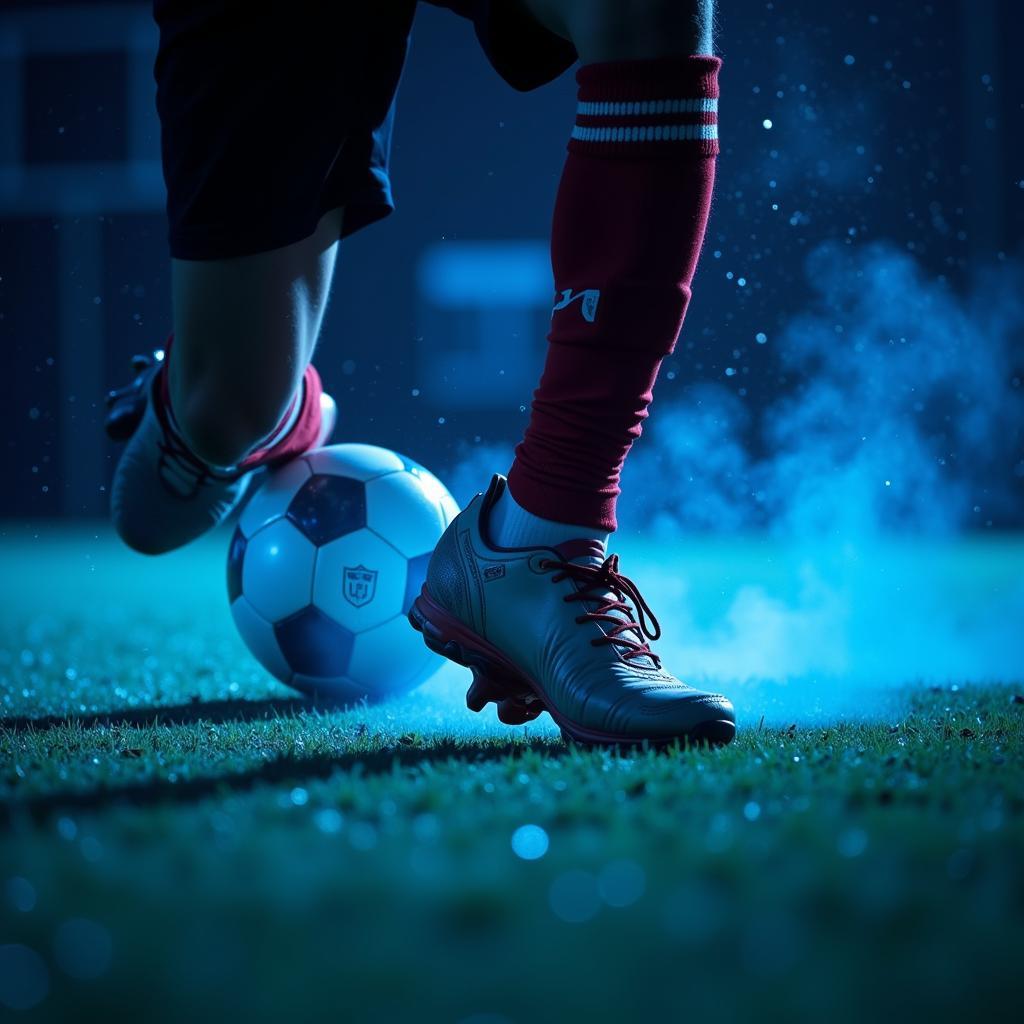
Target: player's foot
pixel 163 495
pixel 553 629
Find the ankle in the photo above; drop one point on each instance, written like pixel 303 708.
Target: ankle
pixel 512 526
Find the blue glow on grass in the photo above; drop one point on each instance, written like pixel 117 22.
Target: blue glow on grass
pixel 530 842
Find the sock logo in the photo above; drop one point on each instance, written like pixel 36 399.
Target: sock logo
pixel 588 302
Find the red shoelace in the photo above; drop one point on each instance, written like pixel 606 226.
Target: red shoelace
pixel 607 577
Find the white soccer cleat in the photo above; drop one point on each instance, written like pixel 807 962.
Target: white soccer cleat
pixel 164 496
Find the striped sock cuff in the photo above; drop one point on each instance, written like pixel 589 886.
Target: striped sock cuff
pixel 647 107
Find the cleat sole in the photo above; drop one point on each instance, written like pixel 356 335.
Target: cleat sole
pixel 519 699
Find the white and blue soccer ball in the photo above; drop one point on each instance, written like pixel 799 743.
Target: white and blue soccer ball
pixel 325 563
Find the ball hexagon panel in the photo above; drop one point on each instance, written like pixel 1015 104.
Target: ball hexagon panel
pixel 359 581
pixel 314 644
pixel 434 489
pixel 271 500
pixel 415 577
pixel 450 508
pixel 393 655
pixel 359 461
pixel 277 570
pixel 398 508
pixel 259 637
pixel 236 554
pixel 328 507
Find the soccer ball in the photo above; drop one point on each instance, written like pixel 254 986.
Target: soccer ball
pixel 325 563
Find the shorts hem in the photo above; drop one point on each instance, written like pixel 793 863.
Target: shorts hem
pixel 219 242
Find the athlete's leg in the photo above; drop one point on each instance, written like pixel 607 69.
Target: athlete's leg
pixel 629 222
pixel 260 167
pixel 603 30
pixel 236 390
pixel 244 332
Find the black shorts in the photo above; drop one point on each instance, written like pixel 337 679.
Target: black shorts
pixel 269 120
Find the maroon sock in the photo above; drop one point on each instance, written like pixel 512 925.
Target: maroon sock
pixel 629 221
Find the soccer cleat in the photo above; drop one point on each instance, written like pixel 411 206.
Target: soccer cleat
pixel 552 629
pixel 163 496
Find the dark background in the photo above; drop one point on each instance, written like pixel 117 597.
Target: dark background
pixel 897 122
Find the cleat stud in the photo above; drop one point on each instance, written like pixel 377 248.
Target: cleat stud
pixel 511 712
pixel 475 700
pixel 520 709
pixel 453 652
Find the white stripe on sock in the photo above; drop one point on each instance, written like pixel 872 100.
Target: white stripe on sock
pixel 695 105
pixel 645 132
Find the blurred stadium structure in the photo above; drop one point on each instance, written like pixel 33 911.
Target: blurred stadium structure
pixel 77 193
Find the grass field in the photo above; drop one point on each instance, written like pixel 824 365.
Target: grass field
pixel 183 838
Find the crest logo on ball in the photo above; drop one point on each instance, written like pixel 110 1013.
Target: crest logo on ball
pixel 360 585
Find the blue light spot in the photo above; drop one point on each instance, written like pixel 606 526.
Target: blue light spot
pixel 530 842
pixel 484 274
pixel 328 821
pixel 622 883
